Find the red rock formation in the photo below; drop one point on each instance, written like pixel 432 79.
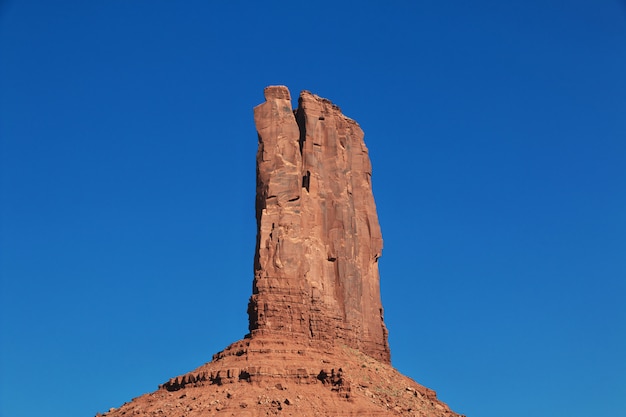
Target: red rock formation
pixel 260 377
pixel 316 265
pixel 317 344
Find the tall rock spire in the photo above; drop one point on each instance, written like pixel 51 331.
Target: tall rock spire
pixel 318 238
pixel 317 342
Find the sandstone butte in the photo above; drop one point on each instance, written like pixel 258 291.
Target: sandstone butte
pixel 317 343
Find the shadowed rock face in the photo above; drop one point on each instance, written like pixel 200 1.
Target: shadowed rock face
pixel 318 240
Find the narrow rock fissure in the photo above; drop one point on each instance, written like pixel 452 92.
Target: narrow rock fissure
pixel 306 181
pixel 301 121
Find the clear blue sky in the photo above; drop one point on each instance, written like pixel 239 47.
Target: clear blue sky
pixel 497 132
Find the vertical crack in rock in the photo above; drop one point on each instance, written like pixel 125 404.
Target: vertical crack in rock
pixel 318 237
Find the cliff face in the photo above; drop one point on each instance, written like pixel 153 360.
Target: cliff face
pixel 317 344
pixel 318 240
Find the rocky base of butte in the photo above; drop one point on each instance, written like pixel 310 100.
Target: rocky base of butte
pixel 261 377
pixel 318 343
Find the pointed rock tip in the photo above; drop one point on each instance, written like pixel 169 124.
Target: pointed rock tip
pixel 306 95
pixel 277 92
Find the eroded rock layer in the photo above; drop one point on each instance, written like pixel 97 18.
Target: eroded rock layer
pixel 318 239
pixel 262 376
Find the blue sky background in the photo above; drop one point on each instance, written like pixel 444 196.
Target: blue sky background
pixel 497 133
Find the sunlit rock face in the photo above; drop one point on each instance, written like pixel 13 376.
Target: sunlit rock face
pixel 318 240
pixel 317 344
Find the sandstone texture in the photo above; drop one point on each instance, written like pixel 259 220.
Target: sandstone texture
pixel 266 377
pixel 316 265
pixel 317 343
